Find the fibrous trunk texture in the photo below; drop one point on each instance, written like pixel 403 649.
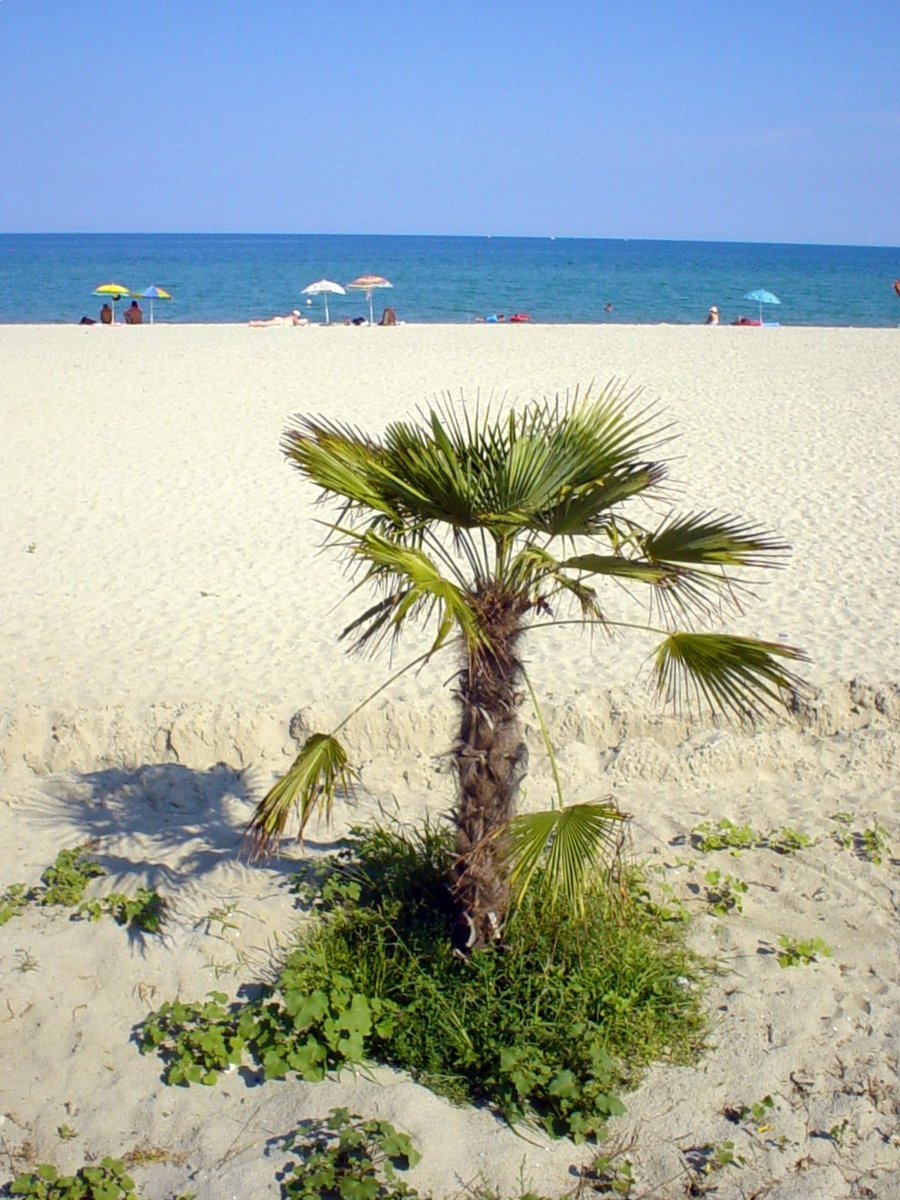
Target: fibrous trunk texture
pixel 491 759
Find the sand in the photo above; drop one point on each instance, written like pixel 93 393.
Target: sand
pixel 167 634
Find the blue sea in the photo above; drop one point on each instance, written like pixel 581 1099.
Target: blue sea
pixel 235 277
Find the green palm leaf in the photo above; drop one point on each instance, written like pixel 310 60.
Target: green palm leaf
pixel 550 467
pixel 725 674
pixel 535 572
pixel 422 590
pixel 631 570
pixel 339 459
pixel 568 842
pixel 311 783
pixel 674 558
pixel 677 589
pixel 708 540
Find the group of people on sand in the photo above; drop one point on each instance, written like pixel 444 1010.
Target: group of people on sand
pixel 133 315
pixel 712 318
pixel 388 317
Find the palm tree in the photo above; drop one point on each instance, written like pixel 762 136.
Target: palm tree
pixel 484 521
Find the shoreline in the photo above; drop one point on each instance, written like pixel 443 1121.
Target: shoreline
pixel 534 323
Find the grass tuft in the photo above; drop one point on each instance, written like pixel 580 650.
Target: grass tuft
pixel 554 1023
pixel 551 1026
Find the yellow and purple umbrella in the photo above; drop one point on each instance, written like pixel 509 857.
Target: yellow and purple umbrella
pixel 114 291
pixel 151 294
pixel 367 284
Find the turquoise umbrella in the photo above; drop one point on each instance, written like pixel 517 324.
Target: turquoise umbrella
pixel 761 297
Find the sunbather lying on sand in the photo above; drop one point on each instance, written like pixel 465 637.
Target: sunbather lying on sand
pixel 293 318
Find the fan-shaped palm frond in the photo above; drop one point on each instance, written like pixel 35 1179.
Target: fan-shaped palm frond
pixel 318 772
pixel 567 841
pixel 339 460
pixel 706 539
pixel 551 467
pixel 726 674
pixel 422 590
pixel 685 558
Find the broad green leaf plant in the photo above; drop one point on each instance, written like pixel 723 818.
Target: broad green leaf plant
pixel 489 522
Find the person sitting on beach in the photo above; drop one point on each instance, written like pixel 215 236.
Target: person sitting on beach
pixel 388 317
pixel 712 317
pixel 133 315
pixel 106 315
pixel 292 318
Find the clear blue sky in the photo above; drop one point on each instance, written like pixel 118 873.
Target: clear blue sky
pixel 757 121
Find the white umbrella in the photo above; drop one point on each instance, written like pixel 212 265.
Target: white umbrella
pixel 367 283
pixel 321 288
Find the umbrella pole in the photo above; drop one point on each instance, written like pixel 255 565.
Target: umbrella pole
pixel 371 313
pixel 151 310
pixel 325 297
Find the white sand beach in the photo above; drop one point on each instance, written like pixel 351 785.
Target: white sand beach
pixel 168 632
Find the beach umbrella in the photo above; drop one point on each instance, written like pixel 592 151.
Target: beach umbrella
pixel 151 294
pixel 761 297
pixel 114 291
pixel 321 288
pixel 367 284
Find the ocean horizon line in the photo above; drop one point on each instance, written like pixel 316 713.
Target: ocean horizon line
pixel 524 237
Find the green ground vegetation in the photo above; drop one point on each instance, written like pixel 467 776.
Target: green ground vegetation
pixel 64 883
pixel 106 1180
pixel 551 1025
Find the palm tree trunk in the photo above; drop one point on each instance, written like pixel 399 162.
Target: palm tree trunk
pixel 491 760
